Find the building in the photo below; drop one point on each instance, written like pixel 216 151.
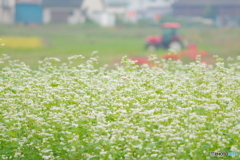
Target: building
pixel 63 11
pixel 116 7
pixel 28 11
pixel 7 11
pixel 91 7
pixel 148 9
pixel 105 19
pixel 223 12
pixel 154 9
pixel 95 10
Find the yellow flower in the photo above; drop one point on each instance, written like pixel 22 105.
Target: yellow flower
pixel 22 42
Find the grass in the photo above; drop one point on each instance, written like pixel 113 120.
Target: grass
pixel 63 41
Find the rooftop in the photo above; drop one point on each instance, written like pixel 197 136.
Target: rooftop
pixel 117 2
pixel 62 3
pixel 207 2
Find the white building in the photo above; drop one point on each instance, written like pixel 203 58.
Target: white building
pixel 62 11
pixel 97 11
pixel 105 19
pixel 151 9
pixel 91 7
pixel 7 11
pixel 117 7
pixel 144 4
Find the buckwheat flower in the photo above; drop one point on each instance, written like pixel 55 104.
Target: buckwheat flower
pixel 75 57
pixel 103 152
pixel 75 125
pixel 94 59
pixel 110 157
pixel 234 148
pixel 55 59
pixel 17 154
pixel 47 157
pixel 154 155
pixel 46 150
pixel 94 52
pixel 238 58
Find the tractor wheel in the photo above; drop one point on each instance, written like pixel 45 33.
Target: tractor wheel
pixel 176 46
pixel 151 47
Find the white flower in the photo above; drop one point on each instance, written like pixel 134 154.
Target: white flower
pixel 234 148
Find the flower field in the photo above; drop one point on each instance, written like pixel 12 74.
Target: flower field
pixel 22 42
pixel 77 110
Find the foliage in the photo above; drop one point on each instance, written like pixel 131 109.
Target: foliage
pixel 67 111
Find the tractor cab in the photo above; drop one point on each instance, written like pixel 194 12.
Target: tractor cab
pixel 169 39
pixel 169 32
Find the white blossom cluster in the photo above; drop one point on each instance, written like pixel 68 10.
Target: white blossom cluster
pixel 67 111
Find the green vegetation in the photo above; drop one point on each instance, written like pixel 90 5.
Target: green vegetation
pixel 67 111
pixel 63 41
pixel 72 108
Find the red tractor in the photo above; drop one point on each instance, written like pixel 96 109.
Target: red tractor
pixel 169 40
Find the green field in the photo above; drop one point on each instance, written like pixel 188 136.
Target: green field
pixel 63 41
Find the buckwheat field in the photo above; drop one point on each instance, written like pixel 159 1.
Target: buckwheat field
pixel 77 110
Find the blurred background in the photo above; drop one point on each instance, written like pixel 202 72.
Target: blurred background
pixel 35 29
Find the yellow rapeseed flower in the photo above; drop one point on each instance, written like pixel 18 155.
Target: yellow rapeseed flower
pixel 22 42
